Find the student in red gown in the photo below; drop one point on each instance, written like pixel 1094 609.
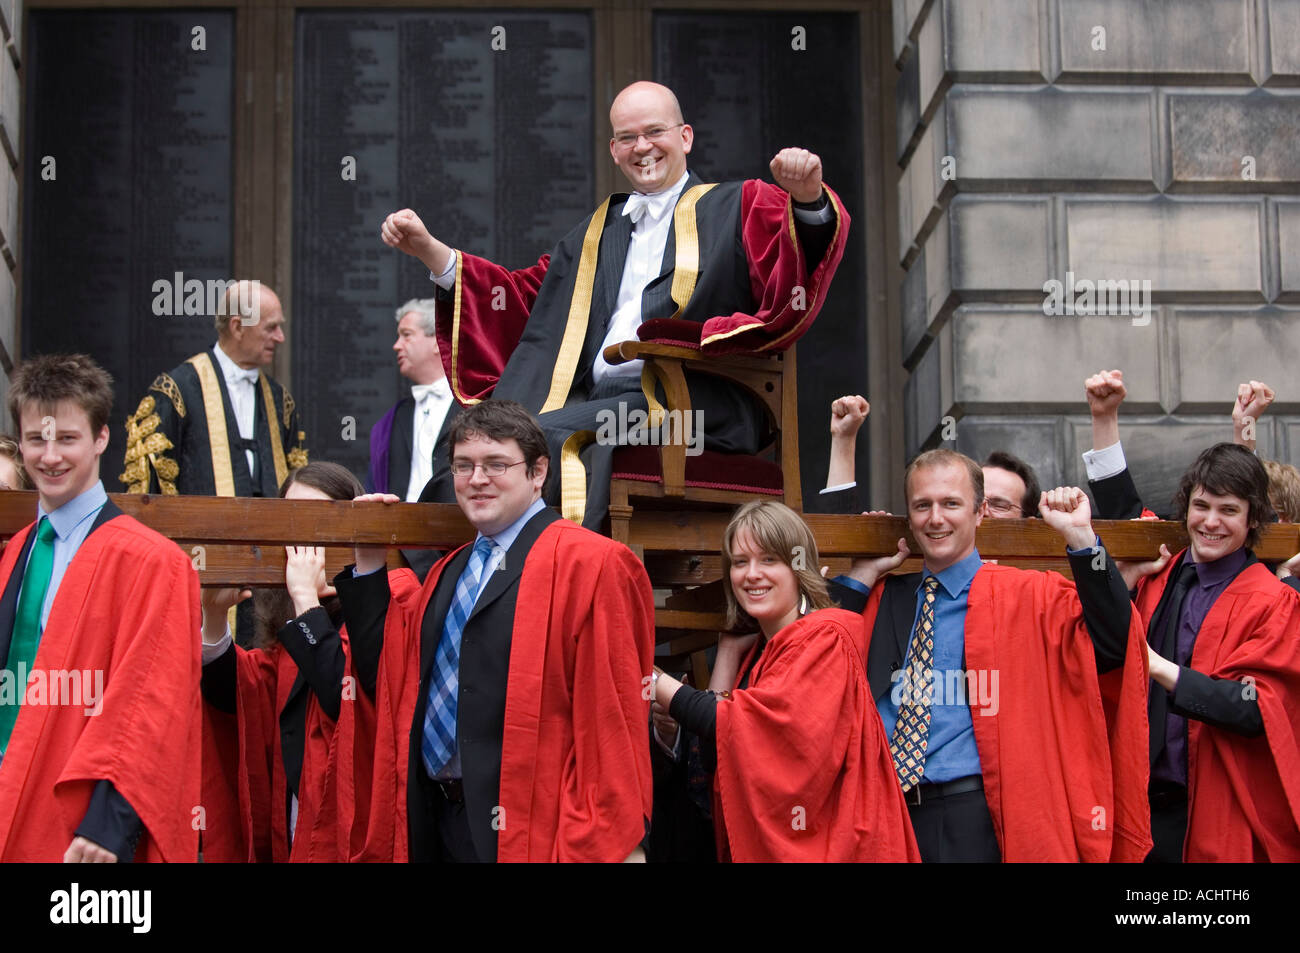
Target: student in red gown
pixel 99 709
pixel 511 694
pixel 272 784
pixel 801 765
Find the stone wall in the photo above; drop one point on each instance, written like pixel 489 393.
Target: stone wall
pixel 1138 140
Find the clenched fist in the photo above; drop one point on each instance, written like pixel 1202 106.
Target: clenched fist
pixel 799 172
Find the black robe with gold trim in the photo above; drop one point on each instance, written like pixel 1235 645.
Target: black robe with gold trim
pixel 183 437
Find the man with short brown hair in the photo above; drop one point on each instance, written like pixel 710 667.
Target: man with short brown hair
pixel 99 716
pixel 1016 715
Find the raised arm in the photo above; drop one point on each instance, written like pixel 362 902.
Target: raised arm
pixel 1108 476
pixel 1102 592
pixel 1252 400
pixel 848 414
pixel 405 231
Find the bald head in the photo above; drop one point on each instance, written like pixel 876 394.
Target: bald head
pixel 251 325
pixel 645 93
pixel 650 140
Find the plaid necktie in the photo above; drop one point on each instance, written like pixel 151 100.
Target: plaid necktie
pixel 912 730
pixel 27 621
pixel 439 742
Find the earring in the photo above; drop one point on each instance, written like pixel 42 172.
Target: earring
pixel 803 603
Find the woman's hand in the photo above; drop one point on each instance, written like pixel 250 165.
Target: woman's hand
pixel 216 605
pixel 304 577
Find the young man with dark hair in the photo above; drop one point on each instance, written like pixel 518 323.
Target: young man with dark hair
pixel 1011 486
pixel 1015 714
pixel 1224 653
pixel 514 688
pixel 99 704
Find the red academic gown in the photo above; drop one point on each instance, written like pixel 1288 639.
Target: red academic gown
pixel 128 606
pixel 1244 793
pixel 244 785
pixel 804 771
pixel 491 305
pixel 575 762
pixel 1063 750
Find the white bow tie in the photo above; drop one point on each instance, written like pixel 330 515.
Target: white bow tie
pixel 422 392
pixel 637 205
pixel 240 374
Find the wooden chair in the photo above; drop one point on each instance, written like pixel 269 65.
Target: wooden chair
pixel 658 478
pixel 665 477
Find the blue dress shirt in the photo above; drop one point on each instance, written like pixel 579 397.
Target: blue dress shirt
pixel 951 753
pixel 71 522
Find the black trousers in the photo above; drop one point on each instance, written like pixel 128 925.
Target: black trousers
pixel 955 830
pixel 455 845
pixel 1168 823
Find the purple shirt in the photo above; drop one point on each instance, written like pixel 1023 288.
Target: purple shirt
pixel 1211 580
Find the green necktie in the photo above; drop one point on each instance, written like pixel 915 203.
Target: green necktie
pixel 27 623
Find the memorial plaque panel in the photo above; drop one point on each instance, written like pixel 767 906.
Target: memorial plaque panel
pixel 127 181
pixel 491 146
pixel 751 84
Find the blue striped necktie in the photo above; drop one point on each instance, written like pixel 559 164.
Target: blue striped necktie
pixel 439 743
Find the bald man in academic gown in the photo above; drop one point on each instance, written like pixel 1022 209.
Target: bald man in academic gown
pixel 730 267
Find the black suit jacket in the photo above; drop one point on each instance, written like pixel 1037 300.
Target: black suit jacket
pixel 481 702
pixel 1116 497
pixel 894 622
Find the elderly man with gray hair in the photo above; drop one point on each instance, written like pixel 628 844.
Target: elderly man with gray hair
pixel 218 424
pixel 403 441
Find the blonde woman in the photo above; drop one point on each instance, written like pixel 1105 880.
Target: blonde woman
pixel 800 763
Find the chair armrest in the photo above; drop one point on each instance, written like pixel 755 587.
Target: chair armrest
pixel 626 351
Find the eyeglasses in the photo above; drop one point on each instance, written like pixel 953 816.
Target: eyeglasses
pixel 999 505
pixel 493 468
pixel 626 140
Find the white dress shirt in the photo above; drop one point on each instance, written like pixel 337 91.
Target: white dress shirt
pixel 432 401
pixel 242 385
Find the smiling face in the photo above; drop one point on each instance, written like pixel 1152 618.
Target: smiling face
pixel 491 503
pixel 654 158
pixel 1216 525
pixel 941 512
pixel 764 585
pixel 60 452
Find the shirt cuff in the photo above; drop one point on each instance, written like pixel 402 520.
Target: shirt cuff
pixel 359 575
pixel 671 753
pixel 1087 550
pixel 842 486
pixel 854 584
pixel 815 216
pixel 1104 463
pixel 447 279
pixel 214 650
